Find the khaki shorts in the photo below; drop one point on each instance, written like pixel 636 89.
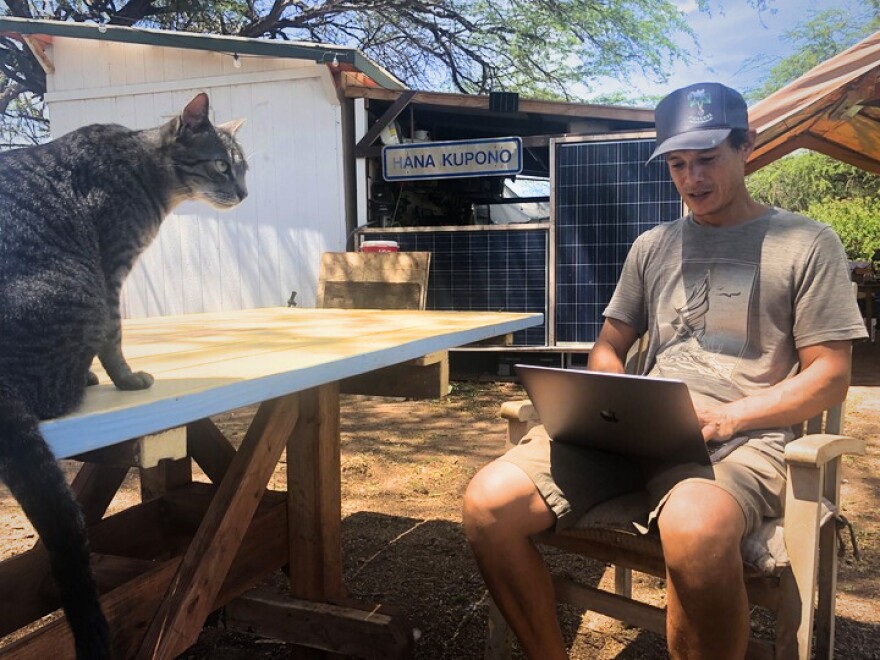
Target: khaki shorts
pixel 573 479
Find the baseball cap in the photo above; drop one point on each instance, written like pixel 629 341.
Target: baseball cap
pixel 699 116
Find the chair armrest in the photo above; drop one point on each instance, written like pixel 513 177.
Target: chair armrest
pixel 817 449
pixel 519 411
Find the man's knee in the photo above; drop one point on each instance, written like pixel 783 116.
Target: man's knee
pixel 701 527
pixel 502 500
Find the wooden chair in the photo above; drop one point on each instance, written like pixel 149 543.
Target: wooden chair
pixel 787 560
pixel 385 280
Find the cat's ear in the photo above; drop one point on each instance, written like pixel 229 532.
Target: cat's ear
pixel 231 127
pixel 195 114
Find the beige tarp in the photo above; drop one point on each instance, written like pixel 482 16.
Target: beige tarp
pixel 833 109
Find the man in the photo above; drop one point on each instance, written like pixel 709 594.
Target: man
pixel 751 306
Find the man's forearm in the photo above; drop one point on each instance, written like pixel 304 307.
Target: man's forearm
pixel 603 357
pixel 821 383
pixel 789 402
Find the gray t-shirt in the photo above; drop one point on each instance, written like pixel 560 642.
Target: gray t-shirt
pixel 727 308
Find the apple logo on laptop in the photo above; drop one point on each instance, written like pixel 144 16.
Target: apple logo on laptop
pixel 609 416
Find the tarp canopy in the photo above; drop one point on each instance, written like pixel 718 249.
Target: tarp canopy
pixel 834 109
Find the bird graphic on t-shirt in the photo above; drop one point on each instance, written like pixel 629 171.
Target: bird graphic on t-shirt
pixel 691 321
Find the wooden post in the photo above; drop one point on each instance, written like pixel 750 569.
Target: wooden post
pixel 164 477
pixel 314 494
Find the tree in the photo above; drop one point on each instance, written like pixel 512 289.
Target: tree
pixel 805 178
pixel 829 191
pixel 856 221
pixel 816 185
pixel 539 48
pixel 820 37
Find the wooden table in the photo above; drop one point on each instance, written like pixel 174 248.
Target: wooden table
pixel 189 548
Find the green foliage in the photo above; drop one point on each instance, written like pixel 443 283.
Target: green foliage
pixel 856 221
pixel 827 190
pixel 805 177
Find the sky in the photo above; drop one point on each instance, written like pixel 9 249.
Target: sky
pixel 728 37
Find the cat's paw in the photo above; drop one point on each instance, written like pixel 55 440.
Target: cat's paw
pixel 91 379
pixel 139 380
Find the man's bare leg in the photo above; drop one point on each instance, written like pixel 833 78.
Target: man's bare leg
pixel 707 614
pixel 502 509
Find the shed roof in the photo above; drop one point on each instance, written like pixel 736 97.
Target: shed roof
pixel 40 32
pixel 834 109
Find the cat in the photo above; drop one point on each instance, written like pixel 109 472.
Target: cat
pixel 75 213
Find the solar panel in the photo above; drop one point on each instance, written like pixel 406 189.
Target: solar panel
pixel 605 197
pixel 484 270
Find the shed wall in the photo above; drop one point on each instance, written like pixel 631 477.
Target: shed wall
pixel 205 260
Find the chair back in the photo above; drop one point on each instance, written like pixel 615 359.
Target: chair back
pixel 373 280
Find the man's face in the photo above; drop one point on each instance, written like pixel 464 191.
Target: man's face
pixel 711 182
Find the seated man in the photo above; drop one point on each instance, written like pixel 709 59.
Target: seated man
pixel 751 306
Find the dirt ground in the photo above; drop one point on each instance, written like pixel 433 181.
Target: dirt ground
pixel 405 465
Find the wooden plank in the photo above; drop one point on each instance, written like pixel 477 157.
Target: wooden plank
pixel 414 381
pixel 144 452
pixel 208 558
pixel 112 571
pixel 113 535
pixel 95 487
pixel 530 106
pixel 209 448
pixel 348 631
pixel 387 117
pixel 29 577
pixel 165 477
pixel 624 609
pixel 373 280
pixel 371 295
pixel 314 494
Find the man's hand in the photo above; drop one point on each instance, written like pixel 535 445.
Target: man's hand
pixel 717 423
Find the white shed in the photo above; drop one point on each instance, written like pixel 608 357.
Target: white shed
pixel 295 136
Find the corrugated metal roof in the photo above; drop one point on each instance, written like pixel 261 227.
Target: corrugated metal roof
pixel 347 57
pixel 834 109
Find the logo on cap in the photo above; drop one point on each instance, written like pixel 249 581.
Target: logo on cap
pixel 699 99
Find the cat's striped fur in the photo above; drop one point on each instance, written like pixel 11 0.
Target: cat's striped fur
pixel 74 215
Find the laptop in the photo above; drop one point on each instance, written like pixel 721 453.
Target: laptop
pixel 638 416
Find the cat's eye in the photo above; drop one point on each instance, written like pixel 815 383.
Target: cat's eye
pixel 222 166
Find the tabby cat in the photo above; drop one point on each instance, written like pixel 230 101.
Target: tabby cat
pixel 74 215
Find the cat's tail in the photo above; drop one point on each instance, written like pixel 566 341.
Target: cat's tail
pixel 31 472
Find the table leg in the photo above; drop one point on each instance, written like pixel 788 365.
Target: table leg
pixel 869 310
pixel 319 618
pixel 314 494
pixel 197 582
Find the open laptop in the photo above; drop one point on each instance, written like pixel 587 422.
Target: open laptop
pixel 633 415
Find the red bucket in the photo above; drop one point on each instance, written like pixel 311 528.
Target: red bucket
pixel 379 246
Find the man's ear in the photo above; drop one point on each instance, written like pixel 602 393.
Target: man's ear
pixel 749 145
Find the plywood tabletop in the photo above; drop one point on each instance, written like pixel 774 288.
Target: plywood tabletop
pixel 206 364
